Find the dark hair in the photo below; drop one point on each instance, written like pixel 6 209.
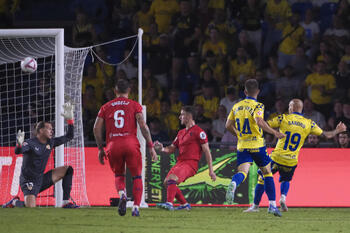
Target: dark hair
pixel 40 125
pixel 251 86
pixel 122 86
pixel 231 90
pixel 189 109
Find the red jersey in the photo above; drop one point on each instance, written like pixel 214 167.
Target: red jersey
pixel 119 116
pixel 189 143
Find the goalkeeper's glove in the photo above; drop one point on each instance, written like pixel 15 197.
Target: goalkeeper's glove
pixel 68 113
pixel 20 137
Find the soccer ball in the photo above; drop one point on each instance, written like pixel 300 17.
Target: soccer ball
pixel 29 65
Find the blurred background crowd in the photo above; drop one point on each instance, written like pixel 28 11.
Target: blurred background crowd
pixel 200 52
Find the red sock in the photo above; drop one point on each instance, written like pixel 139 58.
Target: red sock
pixel 179 196
pixel 171 190
pixel 137 190
pixel 119 182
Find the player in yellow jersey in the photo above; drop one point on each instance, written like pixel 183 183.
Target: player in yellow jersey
pixel 246 120
pixel 285 155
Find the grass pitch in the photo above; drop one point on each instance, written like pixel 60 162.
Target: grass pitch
pixel 199 219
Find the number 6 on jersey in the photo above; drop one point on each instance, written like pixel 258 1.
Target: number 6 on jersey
pixel 119 119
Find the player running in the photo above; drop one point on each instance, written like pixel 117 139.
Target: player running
pixel 285 155
pixel 191 142
pixel 246 120
pixel 119 117
pixel 36 152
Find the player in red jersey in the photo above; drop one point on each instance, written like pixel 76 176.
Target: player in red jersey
pixel 191 142
pixel 119 116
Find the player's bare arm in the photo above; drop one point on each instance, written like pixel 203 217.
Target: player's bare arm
pixel 205 149
pixel 341 127
pixel 98 133
pixel 147 135
pixel 264 126
pixel 169 149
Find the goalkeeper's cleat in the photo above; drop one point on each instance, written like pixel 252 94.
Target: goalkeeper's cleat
pixel 122 205
pixel 135 212
pixel 10 203
pixel 184 207
pixel 70 205
pixel 166 206
pixel 230 194
pixel 253 208
pixel 284 207
pixel 274 210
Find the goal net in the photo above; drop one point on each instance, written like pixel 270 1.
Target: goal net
pixel 29 98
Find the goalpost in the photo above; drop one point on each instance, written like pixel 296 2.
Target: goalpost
pixel 28 98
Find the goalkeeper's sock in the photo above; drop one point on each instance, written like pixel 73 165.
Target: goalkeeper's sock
pixel 171 190
pixel 284 188
pixel 67 183
pixel 239 177
pixel 137 189
pixel 259 191
pixel 179 196
pixel 270 188
pixel 119 181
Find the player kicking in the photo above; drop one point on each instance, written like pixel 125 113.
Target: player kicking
pixel 36 152
pixel 191 142
pixel 285 155
pixel 246 120
pixel 119 116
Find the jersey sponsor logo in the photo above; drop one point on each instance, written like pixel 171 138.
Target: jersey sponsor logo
pixel 36 148
pixel 30 185
pixel 202 135
pixel 118 134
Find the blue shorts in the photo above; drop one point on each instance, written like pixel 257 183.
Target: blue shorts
pixel 286 173
pixel 258 155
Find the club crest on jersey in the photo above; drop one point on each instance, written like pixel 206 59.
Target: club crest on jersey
pixel 29 185
pixel 259 113
pixel 202 135
pixel 48 147
pixel 24 144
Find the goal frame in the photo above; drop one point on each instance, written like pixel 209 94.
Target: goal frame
pixel 58 34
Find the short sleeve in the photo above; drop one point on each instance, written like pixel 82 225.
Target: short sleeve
pixel 176 142
pixel 259 111
pixel 276 121
pixel 331 84
pixel 101 113
pixel 231 116
pixel 315 129
pixel 202 137
pixel 138 108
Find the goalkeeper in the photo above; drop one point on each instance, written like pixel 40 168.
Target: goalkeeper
pixel 36 152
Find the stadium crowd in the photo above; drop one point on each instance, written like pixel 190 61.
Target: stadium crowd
pixel 200 52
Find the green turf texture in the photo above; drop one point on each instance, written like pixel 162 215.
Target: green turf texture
pixel 199 219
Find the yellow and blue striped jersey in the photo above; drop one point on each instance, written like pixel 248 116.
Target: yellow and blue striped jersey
pixel 243 114
pixel 296 128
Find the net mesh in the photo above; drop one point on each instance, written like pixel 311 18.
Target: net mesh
pixel 29 98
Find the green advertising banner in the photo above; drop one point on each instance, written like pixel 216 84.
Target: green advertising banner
pixel 200 189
